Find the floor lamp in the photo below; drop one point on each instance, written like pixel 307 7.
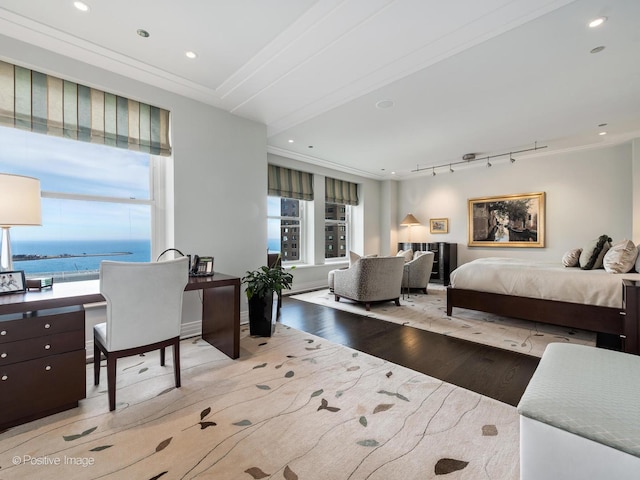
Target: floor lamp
pixel 19 205
pixel 409 220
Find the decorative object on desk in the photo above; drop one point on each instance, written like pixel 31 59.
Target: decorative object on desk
pixel 12 282
pixel 19 205
pixel 409 221
pixel 201 266
pixel 261 285
pixel 507 221
pixel 39 283
pixel 439 225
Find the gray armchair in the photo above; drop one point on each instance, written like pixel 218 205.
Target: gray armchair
pixel 417 272
pixel 370 279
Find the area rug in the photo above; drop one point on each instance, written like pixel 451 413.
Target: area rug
pixel 293 406
pixel 429 312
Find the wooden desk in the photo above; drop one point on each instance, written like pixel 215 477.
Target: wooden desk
pixel 220 305
pixel 42 344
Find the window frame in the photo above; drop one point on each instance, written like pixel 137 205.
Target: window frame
pixel 303 206
pixel 337 223
pixel 159 194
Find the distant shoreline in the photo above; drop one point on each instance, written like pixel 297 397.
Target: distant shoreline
pixel 21 258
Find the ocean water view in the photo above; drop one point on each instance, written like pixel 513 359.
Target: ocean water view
pixel 76 258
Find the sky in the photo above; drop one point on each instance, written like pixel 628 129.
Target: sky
pixel 71 166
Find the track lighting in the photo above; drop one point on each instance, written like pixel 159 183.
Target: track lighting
pixel 468 158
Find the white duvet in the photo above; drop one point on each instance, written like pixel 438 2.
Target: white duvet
pixel 550 281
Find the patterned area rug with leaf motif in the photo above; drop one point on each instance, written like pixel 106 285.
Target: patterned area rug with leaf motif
pixel 429 312
pixel 293 406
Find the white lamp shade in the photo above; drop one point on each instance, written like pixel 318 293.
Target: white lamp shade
pixel 19 200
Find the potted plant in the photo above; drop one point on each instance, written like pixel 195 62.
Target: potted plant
pixel 261 284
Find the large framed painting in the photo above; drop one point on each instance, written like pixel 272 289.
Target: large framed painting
pixel 507 221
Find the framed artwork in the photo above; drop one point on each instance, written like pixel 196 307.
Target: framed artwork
pixel 439 225
pixel 507 221
pixel 12 282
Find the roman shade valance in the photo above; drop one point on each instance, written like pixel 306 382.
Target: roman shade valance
pixel 41 103
pixel 341 191
pixel 286 182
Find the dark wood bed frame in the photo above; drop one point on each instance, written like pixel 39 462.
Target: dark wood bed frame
pixel 613 321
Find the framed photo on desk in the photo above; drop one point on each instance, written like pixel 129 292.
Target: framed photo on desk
pixel 12 282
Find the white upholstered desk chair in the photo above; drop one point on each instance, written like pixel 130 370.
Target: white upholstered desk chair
pixel 144 313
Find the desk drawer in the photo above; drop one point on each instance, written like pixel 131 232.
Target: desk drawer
pixel 45 322
pixel 41 385
pixel 32 348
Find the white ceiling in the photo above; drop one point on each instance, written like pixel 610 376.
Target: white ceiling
pixel 481 76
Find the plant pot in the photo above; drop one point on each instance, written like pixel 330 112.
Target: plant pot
pixel 263 315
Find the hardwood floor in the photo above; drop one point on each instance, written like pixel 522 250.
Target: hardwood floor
pixel 496 373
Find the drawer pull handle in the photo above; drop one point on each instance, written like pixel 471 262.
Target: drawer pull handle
pixel 47 347
pixel 4 377
pixel 47 368
pixel 4 355
pixel 46 325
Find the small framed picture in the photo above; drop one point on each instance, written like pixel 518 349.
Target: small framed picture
pixel 439 225
pixel 12 282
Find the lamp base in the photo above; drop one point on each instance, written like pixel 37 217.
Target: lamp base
pixel 6 259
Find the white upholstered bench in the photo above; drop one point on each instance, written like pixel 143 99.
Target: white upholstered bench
pixel 580 415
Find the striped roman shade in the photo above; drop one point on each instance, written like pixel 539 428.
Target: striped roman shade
pixel 285 182
pixel 41 103
pixel 340 191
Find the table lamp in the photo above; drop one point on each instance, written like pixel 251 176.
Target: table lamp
pixel 19 205
pixel 409 220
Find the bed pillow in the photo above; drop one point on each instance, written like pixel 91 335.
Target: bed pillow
pixel 407 254
pixel 621 257
pixel 593 253
pixel 572 258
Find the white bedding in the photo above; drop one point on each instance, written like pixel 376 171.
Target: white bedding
pixel 550 281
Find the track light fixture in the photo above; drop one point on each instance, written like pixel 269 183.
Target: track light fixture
pixel 470 157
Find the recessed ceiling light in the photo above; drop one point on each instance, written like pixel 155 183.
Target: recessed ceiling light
pixel 598 49
pixel 602 133
pixel 191 54
pixel 290 141
pixel 83 7
pixel 393 173
pixel 143 33
pixel 596 22
pixel 383 104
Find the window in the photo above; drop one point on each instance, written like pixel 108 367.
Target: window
pixel 97 203
pixel 336 227
pixel 285 224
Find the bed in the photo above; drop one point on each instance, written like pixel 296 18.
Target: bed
pixel 547 293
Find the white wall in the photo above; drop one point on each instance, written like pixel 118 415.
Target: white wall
pixel 588 193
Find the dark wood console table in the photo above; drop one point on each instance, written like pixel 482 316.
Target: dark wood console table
pixel 42 342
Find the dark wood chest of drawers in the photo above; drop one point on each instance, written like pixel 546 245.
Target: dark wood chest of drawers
pixel 42 364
